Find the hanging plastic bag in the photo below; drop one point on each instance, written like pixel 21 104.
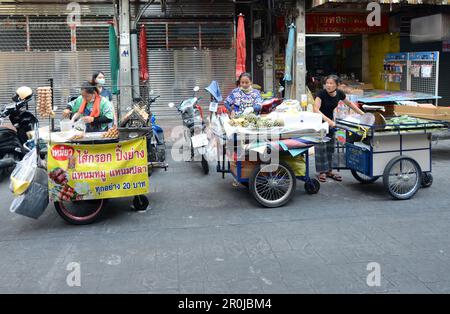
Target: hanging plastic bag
pixel 35 200
pixel 23 174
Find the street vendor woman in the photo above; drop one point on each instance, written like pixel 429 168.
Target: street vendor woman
pixel 244 98
pixel 91 108
pixel 326 102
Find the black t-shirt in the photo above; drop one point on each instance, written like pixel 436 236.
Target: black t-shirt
pixel 330 103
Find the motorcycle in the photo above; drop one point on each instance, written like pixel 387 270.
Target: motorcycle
pixel 141 116
pixel 14 138
pixel 195 128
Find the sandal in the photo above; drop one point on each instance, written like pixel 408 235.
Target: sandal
pixel 334 176
pixel 322 177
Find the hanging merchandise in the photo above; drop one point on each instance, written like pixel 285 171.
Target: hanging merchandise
pixel 44 104
pixel 290 49
pixel 415 71
pixel 427 70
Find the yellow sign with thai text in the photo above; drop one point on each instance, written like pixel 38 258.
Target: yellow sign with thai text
pixel 97 171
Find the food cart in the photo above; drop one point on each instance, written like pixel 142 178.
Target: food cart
pixel 267 161
pixel 86 170
pixel 398 151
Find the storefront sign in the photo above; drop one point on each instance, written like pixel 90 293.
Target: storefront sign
pixel 86 172
pixel 344 23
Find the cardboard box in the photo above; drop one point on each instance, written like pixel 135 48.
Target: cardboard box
pixel 246 168
pixel 436 113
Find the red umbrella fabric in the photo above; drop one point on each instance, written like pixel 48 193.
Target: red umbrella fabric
pixel 143 63
pixel 240 47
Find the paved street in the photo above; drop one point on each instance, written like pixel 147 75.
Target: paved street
pixel 203 235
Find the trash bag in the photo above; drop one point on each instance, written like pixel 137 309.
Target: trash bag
pixel 35 200
pixel 23 174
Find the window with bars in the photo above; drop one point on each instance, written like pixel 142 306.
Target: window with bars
pixel 92 38
pixel 13 35
pixel 175 36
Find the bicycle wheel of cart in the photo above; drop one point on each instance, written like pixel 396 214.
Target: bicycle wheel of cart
pixel 427 180
pixel 80 212
pixel 273 185
pixel 402 177
pixel 363 178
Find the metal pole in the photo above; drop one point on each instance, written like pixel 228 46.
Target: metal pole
pixel 300 52
pixel 135 64
pixel 125 81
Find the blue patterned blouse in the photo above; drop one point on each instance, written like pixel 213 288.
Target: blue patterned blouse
pixel 239 100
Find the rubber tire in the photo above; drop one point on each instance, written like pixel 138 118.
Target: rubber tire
pixel 263 202
pixel 427 180
pixel 205 165
pixel 77 222
pixel 140 202
pixel 312 187
pixel 386 178
pixel 358 177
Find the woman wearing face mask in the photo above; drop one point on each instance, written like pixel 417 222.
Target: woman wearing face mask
pixel 326 102
pixel 98 79
pixel 94 110
pixel 244 98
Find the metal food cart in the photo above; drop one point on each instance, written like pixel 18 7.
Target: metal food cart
pixel 271 182
pixel 398 153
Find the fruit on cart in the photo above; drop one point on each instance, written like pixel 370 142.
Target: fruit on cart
pixel 111 133
pixel 253 122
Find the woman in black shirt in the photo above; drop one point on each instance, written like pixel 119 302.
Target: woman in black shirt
pixel 326 102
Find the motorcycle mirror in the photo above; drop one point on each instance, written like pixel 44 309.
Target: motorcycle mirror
pixel 196 89
pixel 171 105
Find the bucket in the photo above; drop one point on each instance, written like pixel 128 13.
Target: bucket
pixel 65 125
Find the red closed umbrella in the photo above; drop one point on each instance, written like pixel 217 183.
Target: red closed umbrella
pixel 143 63
pixel 240 47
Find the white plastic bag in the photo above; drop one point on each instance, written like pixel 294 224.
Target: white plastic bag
pixel 23 174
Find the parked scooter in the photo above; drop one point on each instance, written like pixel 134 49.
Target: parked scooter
pixel 156 145
pixel 13 138
pixel 195 128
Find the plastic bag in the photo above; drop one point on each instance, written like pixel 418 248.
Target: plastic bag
pixel 35 200
pixel 23 174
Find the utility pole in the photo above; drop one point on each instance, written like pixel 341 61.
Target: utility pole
pixel 300 52
pixel 125 56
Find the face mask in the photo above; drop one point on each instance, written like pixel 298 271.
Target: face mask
pixel 100 81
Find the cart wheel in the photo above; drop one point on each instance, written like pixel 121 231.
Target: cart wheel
pixel 402 177
pixel 140 202
pixel 273 185
pixel 312 186
pixel 80 212
pixel 205 165
pixel 427 180
pixel 363 178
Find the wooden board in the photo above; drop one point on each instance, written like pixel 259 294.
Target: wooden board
pixel 436 113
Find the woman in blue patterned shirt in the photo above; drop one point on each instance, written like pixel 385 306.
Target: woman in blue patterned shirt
pixel 244 97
